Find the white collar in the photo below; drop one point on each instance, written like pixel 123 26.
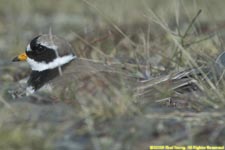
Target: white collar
pixel 41 66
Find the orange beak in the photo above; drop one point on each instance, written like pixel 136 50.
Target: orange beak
pixel 21 57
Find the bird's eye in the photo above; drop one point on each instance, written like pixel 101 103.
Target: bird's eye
pixel 40 49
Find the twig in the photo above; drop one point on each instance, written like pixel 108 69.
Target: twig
pixel 190 25
pixel 94 41
pixel 198 41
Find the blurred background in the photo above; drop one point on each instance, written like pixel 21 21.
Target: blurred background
pixel 166 36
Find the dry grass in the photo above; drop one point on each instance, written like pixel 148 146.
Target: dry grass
pixel 98 111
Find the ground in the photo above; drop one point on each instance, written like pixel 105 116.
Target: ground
pixel 150 37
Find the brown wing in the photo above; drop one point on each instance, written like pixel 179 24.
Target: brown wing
pixel 116 75
pixel 89 77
